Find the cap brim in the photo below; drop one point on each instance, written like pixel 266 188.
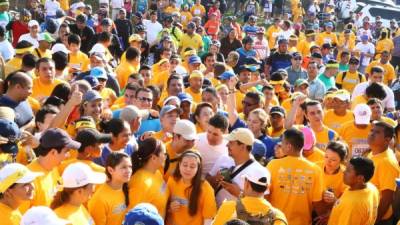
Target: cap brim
pixel 229 137
pixel 73 144
pixel 97 178
pixel 190 137
pixel 29 177
pixel 9 148
pixel 361 120
pixel 277 112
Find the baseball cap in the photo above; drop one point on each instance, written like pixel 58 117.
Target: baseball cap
pixel 191 25
pixel 135 37
pixel 80 174
pixel 171 98
pixel 57 138
pixel 186 129
pixel 60 48
pixel 90 136
pixel 328 24
pixel 7 113
pixel 138 15
pixel 196 73
pixel 300 82
pixel 194 59
pixel 33 23
pixel 259 148
pixel 283 41
pixel 91 95
pixel 242 135
pixel 316 55
pixel 183 97
pixel 364 37
pixel 244 67
pixel 261 30
pixel 98 48
pixel 106 22
pixel 277 110
pixel 327 45
pixel 10 130
pixel 143 213
pixel 296 54
pixel 131 112
pixel 354 60
pixel 140 28
pixel 309 138
pixel 85 122
pixel 99 73
pixel 226 75
pixel 362 114
pixel 92 81
pixel 167 109
pixel 259 175
pixel 15 173
pixel 39 215
pixel 342 95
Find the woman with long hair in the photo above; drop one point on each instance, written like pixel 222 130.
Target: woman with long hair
pixel 192 199
pixel 79 182
pixel 147 183
pixel 230 43
pixel 109 203
pixel 202 115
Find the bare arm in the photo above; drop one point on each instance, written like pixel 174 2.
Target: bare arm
pixel 62 116
pixel 384 204
pixel 244 87
pixel 231 101
pixel 291 118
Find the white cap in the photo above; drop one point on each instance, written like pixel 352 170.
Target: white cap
pixel 172 98
pixel 186 129
pixel 40 215
pixel 362 114
pixel 242 135
pixel 342 95
pixel 15 173
pixel 33 23
pixel 80 174
pixel 60 48
pixel 98 48
pixel 255 174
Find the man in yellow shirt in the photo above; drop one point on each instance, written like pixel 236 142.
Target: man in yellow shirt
pixel 273 32
pixel 349 79
pixel 195 83
pixel 198 9
pixel 377 112
pixel 190 39
pixel 358 204
pixel 125 69
pixel 77 60
pixel 328 36
pixel 14 64
pixel 389 72
pixel 296 184
pixel 304 45
pixel 277 117
pixel 45 41
pixel 45 82
pixel 336 117
pixel 386 169
pixel 54 146
pixel 251 203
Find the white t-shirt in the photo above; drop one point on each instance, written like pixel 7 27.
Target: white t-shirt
pixel 51 7
pixel 209 153
pixel 117 4
pixel 226 162
pixel 152 31
pixel 363 31
pixel 6 50
pixel 388 101
pixel 365 48
pixel 27 37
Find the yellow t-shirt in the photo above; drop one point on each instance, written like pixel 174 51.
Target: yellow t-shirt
pixel 386 171
pixel 171 9
pixel 324 137
pixel 304 47
pixel 77 215
pixel 107 206
pixel 162 136
pixel 35 104
pixel 106 94
pixel 41 90
pixel 198 10
pixel 388 74
pixel 356 138
pixel 195 41
pixel 79 61
pixel 196 96
pixel 42 54
pixel 325 37
pixel 145 186
pixel 252 205
pixel 272 34
pixel 350 80
pixel 186 17
pixel 389 121
pixel 384 45
pixel 123 71
pixel 95 167
pixel 295 182
pixel 334 121
pixel 46 186
pixel 316 156
pixel 333 181
pixel 358 207
pixel 9 216
pixel 274 133
pixel 206 208
pixel 64 4
pixel 12 65
pixel 361 99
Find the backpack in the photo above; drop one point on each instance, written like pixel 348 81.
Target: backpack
pixel 268 219
pixel 344 76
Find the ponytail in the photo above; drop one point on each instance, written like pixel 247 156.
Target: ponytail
pixel 147 148
pixel 62 197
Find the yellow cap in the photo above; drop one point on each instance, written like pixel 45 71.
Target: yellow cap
pixel 189 53
pixel 15 173
pixel 196 73
pixel 85 124
pixel 135 37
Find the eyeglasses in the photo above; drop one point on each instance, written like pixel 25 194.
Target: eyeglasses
pixel 144 99
pixel 297 58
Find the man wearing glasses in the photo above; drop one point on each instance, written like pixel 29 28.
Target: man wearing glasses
pixel 144 101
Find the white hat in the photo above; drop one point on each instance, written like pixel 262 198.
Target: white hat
pixel 362 114
pixel 242 135
pixel 15 173
pixel 172 98
pixel 186 129
pixel 98 48
pixel 60 48
pixel 254 175
pixel 80 174
pixel 33 23
pixel 40 215
pixel 342 95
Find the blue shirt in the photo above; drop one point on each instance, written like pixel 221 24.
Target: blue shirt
pixel 243 54
pixel 151 124
pixel 129 149
pixel 269 144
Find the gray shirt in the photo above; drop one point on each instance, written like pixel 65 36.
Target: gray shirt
pixel 293 75
pixel 317 89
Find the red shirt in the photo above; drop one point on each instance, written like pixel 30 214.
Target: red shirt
pixel 18 29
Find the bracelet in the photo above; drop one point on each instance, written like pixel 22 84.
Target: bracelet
pixel 232 92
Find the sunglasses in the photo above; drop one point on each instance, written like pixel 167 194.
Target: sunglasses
pixel 144 99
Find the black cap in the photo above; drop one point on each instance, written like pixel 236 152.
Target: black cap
pixel 327 45
pixel 90 136
pixel 277 110
pixel 140 28
pixel 57 138
pixel 316 55
pixel 138 15
pixel 106 22
pixel 354 60
pixel 81 18
pixel 296 54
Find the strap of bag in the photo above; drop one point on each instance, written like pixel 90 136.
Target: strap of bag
pixel 234 174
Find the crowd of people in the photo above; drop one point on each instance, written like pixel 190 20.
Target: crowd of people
pixel 177 112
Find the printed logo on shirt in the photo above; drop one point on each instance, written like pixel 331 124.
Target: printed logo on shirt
pixel 163 188
pixel 119 209
pixel 295 182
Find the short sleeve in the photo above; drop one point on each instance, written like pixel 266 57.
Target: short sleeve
pixel 225 213
pixel 386 177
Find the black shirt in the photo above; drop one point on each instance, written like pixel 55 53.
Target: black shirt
pixel 86 35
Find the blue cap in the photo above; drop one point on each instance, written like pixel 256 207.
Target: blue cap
pixel 9 130
pixel 329 24
pixel 168 108
pixel 364 37
pixel 92 81
pixel 259 148
pixel 226 75
pixel 91 95
pixel 143 213
pixel 185 97
pixel 194 59
pixel 99 73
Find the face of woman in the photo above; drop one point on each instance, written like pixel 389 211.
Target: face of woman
pixel 188 167
pixel 93 109
pixel 21 191
pixel 124 137
pixel 332 160
pixel 123 171
pixel 205 114
pixel 86 193
pixel 160 158
pixel 254 123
